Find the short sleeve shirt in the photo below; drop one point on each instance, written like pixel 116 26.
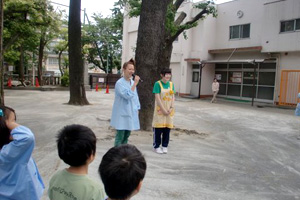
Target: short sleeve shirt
pixel 65 185
pixel 157 90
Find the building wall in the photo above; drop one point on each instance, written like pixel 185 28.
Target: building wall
pixel 264 17
pixel 273 13
pixel 175 67
pixel 227 16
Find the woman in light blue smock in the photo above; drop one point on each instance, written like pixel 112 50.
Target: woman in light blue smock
pixel 19 176
pixel 126 105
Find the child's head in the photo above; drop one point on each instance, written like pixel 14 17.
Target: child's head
pixel 122 170
pixel 166 74
pixel 76 145
pixel 165 71
pixel 5 113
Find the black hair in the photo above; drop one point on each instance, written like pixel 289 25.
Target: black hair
pixel 4 130
pixel 131 61
pixel 75 144
pixel 165 71
pixel 122 169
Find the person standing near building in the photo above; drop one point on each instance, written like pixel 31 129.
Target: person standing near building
pixel 297 111
pixel 215 89
pixel 163 111
pixel 126 104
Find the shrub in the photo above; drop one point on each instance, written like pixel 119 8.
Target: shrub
pixel 65 79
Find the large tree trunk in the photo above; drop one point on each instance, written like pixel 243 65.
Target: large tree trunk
pixel 77 90
pixel 41 56
pixel 165 56
pixel 59 63
pixel 1 55
pixel 151 33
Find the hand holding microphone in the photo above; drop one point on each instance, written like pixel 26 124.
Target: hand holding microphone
pixel 134 76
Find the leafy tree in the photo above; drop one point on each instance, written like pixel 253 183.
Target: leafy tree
pixel 104 42
pixel 50 25
pixel 61 47
pixel 151 33
pixel 19 35
pixel 1 55
pixel 159 24
pixel 76 70
pixel 29 26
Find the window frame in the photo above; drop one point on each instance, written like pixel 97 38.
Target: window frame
pixel 294 25
pixel 52 61
pixel 241 31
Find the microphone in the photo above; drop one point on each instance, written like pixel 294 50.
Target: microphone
pixel 133 75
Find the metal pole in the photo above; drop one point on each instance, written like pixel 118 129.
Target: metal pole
pixel 33 70
pixel 107 59
pixel 200 76
pixel 253 87
pixel 107 66
pixel 84 14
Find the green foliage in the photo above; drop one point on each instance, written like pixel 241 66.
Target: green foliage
pixel 170 18
pixel 102 39
pixel 173 29
pixel 134 7
pixel 24 21
pixel 65 81
pixel 209 6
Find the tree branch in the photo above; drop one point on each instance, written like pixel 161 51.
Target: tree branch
pixel 11 41
pixel 180 18
pixel 196 18
pixel 178 3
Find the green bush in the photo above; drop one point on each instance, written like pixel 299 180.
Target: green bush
pixel 65 79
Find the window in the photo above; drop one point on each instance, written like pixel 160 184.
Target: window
pixel 53 61
pixel 290 25
pixel 239 31
pixel 195 77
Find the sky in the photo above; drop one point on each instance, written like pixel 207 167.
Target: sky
pixel 91 6
pixel 100 6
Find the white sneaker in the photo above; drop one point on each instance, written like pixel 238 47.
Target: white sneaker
pixel 165 150
pixel 158 150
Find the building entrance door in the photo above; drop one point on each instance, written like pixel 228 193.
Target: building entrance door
pixel 195 80
pixel 289 87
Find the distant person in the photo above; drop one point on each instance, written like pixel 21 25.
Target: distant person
pixel 126 105
pixel 163 111
pixel 76 147
pixel 122 171
pixel 19 176
pixel 215 89
pixel 297 111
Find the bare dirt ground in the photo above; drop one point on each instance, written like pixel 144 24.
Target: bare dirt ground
pixel 221 151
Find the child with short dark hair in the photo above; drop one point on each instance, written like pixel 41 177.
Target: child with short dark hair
pixel 163 114
pixel 122 171
pixel 76 147
pixel 19 176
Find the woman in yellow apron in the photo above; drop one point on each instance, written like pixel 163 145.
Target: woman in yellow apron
pixel 163 112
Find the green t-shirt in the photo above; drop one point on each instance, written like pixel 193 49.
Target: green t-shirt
pixel 156 88
pixel 68 186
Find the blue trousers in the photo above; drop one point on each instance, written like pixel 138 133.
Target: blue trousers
pixel 161 136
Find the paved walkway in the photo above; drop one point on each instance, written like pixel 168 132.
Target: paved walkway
pixel 221 151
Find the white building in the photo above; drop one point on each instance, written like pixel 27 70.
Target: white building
pixel 247 36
